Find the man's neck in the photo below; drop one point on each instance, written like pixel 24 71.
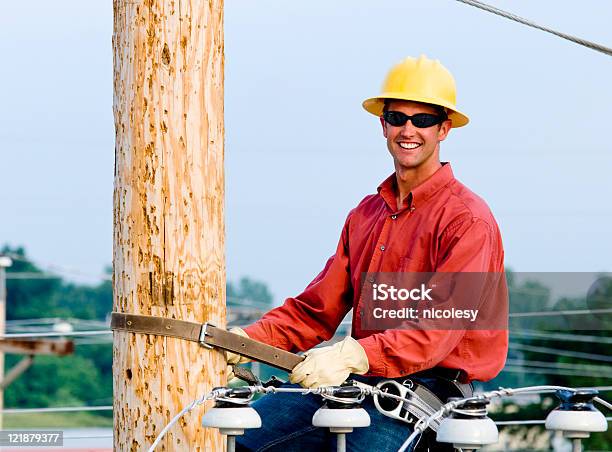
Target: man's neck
pixel 409 178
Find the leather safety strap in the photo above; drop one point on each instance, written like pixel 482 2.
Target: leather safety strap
pixel 207 335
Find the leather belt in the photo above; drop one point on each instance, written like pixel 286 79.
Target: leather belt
pixel 443 372
pixel 455 377
pixel 206 335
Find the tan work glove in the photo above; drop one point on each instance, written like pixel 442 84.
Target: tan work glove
pixel 330 366
pixel 234 358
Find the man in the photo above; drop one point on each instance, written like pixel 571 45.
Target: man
pixel 421 220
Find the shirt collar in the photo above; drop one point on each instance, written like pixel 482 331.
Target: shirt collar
pixel 419 194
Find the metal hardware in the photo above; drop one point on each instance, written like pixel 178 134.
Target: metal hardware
pixel 203 334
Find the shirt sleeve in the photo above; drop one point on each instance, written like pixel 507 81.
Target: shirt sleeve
pixel 313 316
pixel 466 245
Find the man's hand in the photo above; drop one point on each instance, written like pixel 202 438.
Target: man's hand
pixel 330 366
pixel 234 358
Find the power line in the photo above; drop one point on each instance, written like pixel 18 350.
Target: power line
pixel 100 341
pixel 562 336
pixel 556 365
pixel 44 320
pixel 598 388
pixel 246 302
pixel 57 268
pixel 31 275
pixel 544 371
pixel 564 313
pixel 56 334
pixel 52 320
pixel 46 326
pixel 542 291
pixel 64 409
pixel 556 351
pixel 514 17
pixel 531 422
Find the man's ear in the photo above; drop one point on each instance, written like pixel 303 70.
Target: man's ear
pixel 444 129
pixel 384 126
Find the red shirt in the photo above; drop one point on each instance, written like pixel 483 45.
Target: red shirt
pixel 441 227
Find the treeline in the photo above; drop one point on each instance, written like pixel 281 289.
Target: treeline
pixel 571 350
pixel 84 378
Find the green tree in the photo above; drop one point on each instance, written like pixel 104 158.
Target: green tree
pixel 248 291
pixel 85 378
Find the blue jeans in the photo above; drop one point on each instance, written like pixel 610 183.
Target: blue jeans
pixel 287 424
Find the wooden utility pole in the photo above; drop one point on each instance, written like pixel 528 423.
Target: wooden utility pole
pixel 168 254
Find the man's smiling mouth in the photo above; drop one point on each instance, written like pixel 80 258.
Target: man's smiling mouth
pixel 404 145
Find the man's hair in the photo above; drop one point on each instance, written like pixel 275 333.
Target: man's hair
pixel 439 109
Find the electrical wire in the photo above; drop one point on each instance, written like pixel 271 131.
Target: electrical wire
pixel 187 409
pixel 419 427
pixel 326 392
pixel 100 341
pixel 603 402
pixel 555 365
pixel 56 334
pixel 54 267
pixel 567 313
pixel 422 424
pixel 54 320
pixel 561 336
pixel 64 409
pixel 560 352
pixel 583 42
pixel 31 275
pixel 546 371
pixel 530 422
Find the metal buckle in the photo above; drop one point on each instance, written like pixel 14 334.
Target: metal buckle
pixel 203 335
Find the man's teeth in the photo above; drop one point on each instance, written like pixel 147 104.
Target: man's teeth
pixel 409 145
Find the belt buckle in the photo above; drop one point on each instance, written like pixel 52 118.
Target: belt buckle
pixel 203 334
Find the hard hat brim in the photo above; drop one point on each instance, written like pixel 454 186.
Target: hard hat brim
pixel 376 104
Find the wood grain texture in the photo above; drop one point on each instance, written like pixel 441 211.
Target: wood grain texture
pixel 168 246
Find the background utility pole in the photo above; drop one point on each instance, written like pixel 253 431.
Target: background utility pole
pixel 168 252
pixel 5 262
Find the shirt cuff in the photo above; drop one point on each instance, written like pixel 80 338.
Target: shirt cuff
pixel 375 359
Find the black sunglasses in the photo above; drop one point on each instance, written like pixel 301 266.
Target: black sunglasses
pixel 420 120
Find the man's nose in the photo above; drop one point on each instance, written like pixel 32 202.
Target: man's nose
pixel 408 129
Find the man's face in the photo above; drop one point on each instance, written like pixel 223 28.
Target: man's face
pixel 413 148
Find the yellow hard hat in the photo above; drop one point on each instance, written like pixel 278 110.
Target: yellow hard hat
pixel 420 80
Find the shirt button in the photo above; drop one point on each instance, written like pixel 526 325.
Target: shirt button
pixel 393 217
pixel 382 247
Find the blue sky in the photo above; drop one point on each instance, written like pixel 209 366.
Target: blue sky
pixel 300 151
